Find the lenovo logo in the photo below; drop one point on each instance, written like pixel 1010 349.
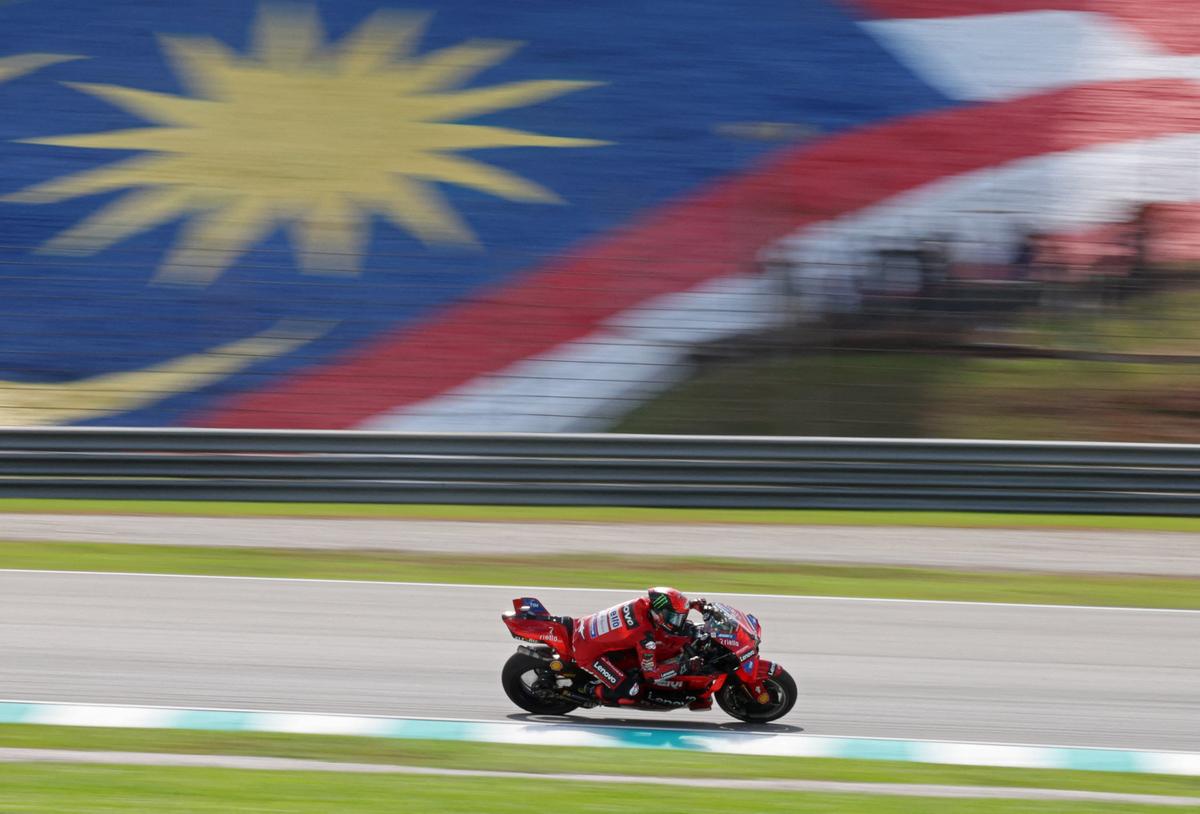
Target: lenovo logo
pixel 604 672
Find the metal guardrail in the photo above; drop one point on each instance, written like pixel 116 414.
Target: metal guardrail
pixel 600 470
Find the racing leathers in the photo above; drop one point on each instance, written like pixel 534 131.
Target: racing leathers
pixel 623 627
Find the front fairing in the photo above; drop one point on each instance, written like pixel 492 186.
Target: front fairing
pixel 740 634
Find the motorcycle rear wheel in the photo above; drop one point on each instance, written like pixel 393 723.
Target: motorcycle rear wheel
pixel 734 700
pixel 518 677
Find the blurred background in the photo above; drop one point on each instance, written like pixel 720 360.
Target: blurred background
pixel 851 217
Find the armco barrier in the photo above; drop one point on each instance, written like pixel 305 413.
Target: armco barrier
pixel 720 741
pixel 600 470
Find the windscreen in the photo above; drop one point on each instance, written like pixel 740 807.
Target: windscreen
pixel 724 620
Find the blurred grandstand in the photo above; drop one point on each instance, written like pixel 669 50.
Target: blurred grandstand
pixel 871 217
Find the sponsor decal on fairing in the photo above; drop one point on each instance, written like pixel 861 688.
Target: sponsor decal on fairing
pixel 649 647
pixel 604 671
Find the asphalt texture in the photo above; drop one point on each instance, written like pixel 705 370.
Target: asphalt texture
pixel 1113 552
pixel 1018 674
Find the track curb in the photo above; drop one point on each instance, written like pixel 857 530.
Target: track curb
pixel 762 741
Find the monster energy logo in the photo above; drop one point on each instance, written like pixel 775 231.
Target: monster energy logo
pixel 661 601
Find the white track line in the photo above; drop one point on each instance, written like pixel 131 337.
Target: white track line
pixel 526 588
pixel 265 763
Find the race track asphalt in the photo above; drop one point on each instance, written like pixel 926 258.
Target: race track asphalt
pixel 1018 674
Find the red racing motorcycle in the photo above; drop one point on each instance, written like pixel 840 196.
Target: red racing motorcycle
pixel 542 678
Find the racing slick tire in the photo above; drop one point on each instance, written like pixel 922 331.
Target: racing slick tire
pixel 519 678
pixel 735 701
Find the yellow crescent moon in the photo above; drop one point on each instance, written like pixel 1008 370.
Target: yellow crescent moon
pixel 24 404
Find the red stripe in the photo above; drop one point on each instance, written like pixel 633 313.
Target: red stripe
pixel 1173 24
pixel 712 233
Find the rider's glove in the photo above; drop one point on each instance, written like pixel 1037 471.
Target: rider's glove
pixel 698 604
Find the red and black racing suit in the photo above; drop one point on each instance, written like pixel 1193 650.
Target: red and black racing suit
pixel 622 627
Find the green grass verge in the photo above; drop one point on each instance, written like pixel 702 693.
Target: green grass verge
pixel 43 789
pixel 1070 400
pixel 544 759
pixel 909 394
pixel 1159 324
pixel 879 394
pixel 905 392
pixel 635 573
pixel 600 514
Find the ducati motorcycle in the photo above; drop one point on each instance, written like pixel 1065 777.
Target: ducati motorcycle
pixel 722 654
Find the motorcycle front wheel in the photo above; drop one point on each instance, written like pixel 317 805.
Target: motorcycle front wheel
pixel 528 683
pixel 734 699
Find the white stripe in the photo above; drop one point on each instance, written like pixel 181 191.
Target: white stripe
pixel 979 754
pixel 319 724
pixel 992 57
pixel 799 746
pixel 527 734
pixel 1170 762
pixel 106 716
pixel 527 588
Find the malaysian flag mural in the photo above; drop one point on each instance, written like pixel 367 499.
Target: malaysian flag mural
pixel 523 216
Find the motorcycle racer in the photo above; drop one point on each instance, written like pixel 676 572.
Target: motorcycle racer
pixel 641 625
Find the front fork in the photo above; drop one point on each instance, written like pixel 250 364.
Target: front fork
pixel 752 674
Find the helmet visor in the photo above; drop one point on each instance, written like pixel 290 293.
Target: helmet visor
pixel 673 619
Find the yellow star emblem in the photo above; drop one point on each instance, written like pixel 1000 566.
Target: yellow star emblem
pixel 313 136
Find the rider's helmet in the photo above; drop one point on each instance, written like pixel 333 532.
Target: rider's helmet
pixel 668 609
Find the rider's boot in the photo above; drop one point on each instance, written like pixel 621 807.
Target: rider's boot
pixel 604 695
pixel 596 691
